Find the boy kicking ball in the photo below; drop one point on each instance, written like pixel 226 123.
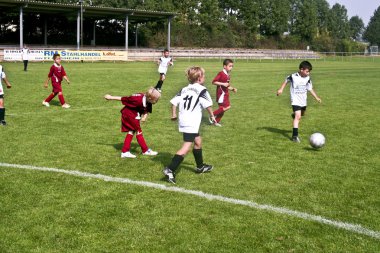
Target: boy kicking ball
pixel 136 108
pixel 300 84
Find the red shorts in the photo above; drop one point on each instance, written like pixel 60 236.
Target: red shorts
pixel 224 101
pixel 57 87
pixel 129 123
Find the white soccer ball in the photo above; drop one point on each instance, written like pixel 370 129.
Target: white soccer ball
pixel 317 140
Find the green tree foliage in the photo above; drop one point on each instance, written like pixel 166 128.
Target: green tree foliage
pixel 304 19
pixel 356 27
pixel 338 25
pixel 372 33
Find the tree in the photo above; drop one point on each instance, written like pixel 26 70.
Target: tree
pixel 372 33
pixel 304 19
pixel 273 16
pixel 356 27
pixel 338 25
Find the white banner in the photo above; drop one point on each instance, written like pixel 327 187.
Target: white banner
pixel 67 55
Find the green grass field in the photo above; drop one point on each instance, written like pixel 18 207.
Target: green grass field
pixel 253 158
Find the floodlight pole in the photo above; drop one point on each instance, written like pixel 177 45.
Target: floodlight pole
pixel 126 32
pixel 21 28
pixel 169 24
pixel 78 30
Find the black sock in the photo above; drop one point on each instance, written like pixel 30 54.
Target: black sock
pixel 198 157
pixel 2 114
pixel 159 84
pixel 176 161
pixel 295 132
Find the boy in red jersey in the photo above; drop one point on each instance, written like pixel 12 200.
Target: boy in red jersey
pixel 56 74
pixel 3 77
pixel 136 108
pixel 222 81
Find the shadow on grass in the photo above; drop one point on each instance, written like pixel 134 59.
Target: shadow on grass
pixel 285 133
pixel 312 149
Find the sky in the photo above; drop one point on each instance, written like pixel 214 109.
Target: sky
pixel 362 8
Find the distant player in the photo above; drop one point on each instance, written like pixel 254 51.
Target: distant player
pixel 222 81
pixel 57 74
pixel 136 108
pixel 300 84
pixel 3 77
pixel 163 63
pixel 25 56
pixel 191 100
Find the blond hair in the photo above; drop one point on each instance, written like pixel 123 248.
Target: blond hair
pixel 194 73
pixel 152 95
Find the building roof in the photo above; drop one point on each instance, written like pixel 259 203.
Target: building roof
pixel 88 11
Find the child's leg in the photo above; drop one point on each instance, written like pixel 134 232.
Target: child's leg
pixel 220 112
pixel 197 151
pixel 61 98
pixel 50 97
pixel 160 82
pixel 127 142
pixel 296 121
pixel 2 110
pixel 141 141
pixel 179 156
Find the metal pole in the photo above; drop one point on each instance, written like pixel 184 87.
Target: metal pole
pixel 169 23
pixel 81 23
pixel 45 31
pixel 126 32
pixel 94 33
pixel 78 30
pixel 21 28
pixel 137 26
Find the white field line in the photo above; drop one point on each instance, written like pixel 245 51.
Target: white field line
pixel 305 216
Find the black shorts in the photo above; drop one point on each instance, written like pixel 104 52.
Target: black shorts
pixel 2 96
pixel 189 137
pixel 298 108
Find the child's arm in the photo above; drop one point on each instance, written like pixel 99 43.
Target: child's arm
pixel 279 92
pixel 46 84
pixel 110 97
pixel 232 88
pixel 221 84
pixel 144 117
pixel 7 82
pixel 67 79
pixel 315 96
pixel 174 112
pixel 211 113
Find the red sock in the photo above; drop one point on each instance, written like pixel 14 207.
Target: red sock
pixel 127 143
pixel 50 97
pixel 61 99
pixel 142 143
pixel 219 117
pixel 218 111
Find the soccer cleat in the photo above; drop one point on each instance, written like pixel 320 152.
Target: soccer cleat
pixel 66 106
pixel 45 103
pixel 127 155
pixel 169 175
pixel 210 120
pixel 3 123
pixel 204 168
pixel 296 139
pixel 150 152
pixel 217 124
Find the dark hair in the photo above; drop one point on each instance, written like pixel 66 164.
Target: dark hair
pixel 56 55
pixel 306 65
pixel 227 61
pixel 166 50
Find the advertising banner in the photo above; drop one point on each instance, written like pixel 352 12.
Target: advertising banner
pixel 67 55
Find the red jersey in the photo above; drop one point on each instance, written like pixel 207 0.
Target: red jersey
pixel 222 92
pixel 134 106
pixel 57 72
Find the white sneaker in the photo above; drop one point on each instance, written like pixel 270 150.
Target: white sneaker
pixel 127 155
pixel 217 124
pixel 45 103
pixel 150 152
pixel 66 106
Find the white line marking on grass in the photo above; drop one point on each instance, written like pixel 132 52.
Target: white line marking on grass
pixel 305 216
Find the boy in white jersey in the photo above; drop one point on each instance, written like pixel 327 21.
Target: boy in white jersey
pixel 25 56
pixel 163 63
pixel 300 84
pixel 3 77
pixel 191 100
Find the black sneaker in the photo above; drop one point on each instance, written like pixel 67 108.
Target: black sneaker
pixel 296 139
pixel 3 123
pixel 204 168
pixel 169 175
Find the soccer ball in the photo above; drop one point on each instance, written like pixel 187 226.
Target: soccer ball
pixel 317 140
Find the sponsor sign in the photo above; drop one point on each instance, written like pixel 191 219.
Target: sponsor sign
pixel 67 55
